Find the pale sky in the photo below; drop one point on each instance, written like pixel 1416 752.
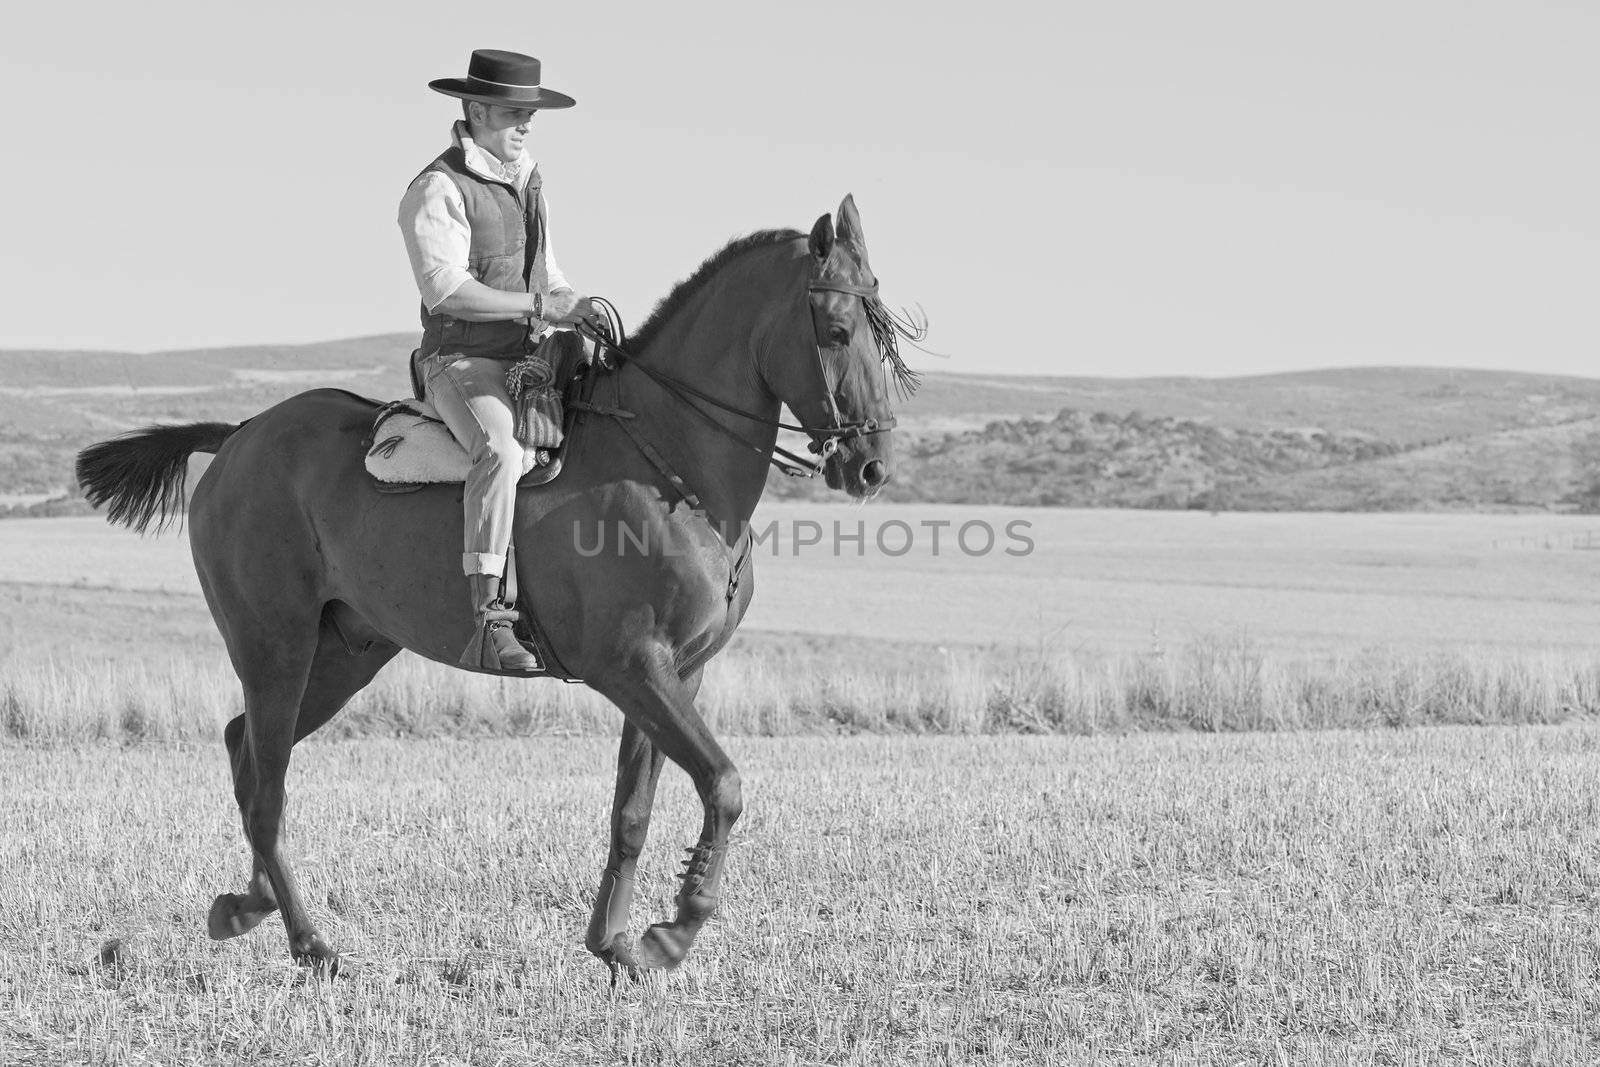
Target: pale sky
pixel 1128 188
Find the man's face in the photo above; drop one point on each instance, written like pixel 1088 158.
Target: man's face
pixel 500 131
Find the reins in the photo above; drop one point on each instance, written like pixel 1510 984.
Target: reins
pixel 824 440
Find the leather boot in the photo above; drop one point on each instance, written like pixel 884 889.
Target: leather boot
pixel 493 646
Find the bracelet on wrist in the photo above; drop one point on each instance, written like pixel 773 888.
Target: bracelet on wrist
pixel 538 306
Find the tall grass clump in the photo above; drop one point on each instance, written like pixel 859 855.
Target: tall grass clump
pixel 1221 684
pixel 172 701
pixel 415 698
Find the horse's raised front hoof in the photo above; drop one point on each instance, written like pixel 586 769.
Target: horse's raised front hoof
pixel 664 946
pixel 229 918
pixel 309 950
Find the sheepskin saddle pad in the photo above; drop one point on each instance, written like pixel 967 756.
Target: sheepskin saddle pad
pixel 411 446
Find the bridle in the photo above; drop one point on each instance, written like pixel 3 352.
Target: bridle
pixel 825 440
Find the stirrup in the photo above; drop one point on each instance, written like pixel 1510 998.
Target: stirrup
pixel 483 652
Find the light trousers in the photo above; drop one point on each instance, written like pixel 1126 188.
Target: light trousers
pixel 469 393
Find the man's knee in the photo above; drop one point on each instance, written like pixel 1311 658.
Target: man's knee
pixel 498 452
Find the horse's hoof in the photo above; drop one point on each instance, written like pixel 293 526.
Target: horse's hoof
pixel 228 919
pixel 321 967
pixel 618 957
pixel 663 946
pixel 620 970
pixel 312 952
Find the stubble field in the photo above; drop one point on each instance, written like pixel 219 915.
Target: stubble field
pixel 1411 897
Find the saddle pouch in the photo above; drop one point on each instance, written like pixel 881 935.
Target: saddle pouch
pixel 535 399
pixel 538 414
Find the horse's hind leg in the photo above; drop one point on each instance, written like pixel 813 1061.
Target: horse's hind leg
pixel 233 914
pixel 338 671
pixel 259 743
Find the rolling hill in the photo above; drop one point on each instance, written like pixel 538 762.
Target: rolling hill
pixel 1385 438
pixel 1080 459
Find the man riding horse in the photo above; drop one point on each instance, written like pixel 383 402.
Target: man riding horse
pixel 476 230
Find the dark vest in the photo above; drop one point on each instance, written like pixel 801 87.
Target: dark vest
pixel 506 231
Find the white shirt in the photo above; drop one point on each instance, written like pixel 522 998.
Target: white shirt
pixel 433 220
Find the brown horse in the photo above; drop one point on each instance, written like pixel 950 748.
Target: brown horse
pixel 316 579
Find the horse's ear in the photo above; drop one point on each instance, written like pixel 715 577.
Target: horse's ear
pixel 822 237
pixel 850 223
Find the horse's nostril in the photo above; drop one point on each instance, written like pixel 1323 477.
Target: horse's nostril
pixel 872 472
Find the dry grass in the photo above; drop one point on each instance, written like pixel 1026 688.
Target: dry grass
pixel 1213 685
pixel 1422 896
pixel 1132 621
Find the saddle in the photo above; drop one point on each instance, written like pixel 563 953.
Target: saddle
pixel 410 446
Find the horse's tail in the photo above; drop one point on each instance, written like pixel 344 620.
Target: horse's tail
pixel 138 477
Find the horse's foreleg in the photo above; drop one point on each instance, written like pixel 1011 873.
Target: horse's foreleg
pixel 638 768
pixel 661 705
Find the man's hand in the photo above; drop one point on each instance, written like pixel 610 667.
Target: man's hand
pixel 566 308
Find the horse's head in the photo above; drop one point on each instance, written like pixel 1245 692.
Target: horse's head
pixel 837 386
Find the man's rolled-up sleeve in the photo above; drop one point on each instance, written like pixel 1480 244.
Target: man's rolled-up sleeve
pixel 553 277
pixel 433 220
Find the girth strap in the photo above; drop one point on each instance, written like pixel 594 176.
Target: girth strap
pixel 600 409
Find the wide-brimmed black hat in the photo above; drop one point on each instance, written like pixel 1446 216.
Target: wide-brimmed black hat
pixel 509 79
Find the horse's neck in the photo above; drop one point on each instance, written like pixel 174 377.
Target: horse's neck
pixel 708 345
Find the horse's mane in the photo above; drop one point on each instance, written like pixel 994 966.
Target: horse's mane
pixel 685 290
pixel 886 325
